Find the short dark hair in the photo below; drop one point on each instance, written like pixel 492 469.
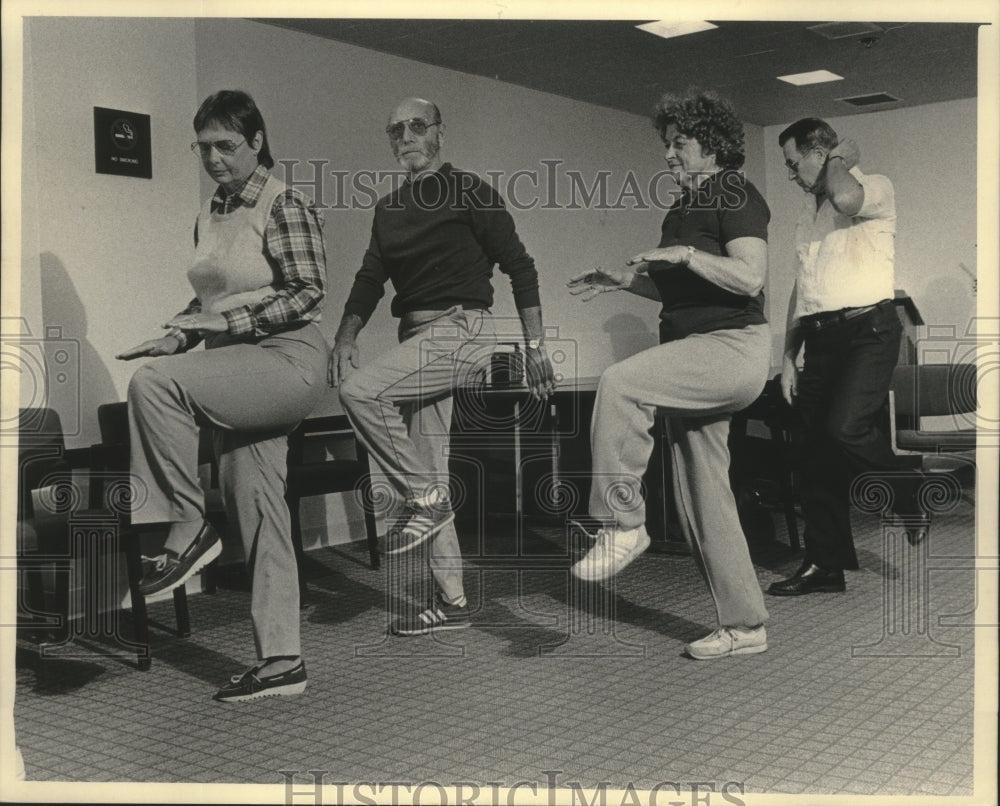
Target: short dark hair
pixel 708 119
pixel 235 110
pixel 809 133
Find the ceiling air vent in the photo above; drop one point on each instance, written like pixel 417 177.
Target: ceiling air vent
pixel 871 99
pixel 845 30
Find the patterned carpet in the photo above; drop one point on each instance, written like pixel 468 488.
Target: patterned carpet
pixel 556 685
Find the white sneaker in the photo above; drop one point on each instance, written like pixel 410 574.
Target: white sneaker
pixel 728 641
pixel 615 548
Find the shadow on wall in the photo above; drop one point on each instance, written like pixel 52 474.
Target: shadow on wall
pixel 630 334
pixel 78 379
pixel 947 301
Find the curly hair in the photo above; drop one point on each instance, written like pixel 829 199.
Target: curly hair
pixel 708 119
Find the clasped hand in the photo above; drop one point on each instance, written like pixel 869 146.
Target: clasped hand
pixel 848 151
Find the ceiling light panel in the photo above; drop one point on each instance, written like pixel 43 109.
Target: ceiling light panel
pixel 813 77
pixel 668 30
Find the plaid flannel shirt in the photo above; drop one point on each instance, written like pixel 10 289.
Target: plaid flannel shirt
pixel 293 240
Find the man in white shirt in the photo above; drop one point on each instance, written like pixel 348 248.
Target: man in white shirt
pixel 841 309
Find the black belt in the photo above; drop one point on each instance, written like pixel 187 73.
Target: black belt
pixel 818 321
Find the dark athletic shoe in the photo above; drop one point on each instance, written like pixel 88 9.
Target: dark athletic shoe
pixel 417 524
pixel 439 616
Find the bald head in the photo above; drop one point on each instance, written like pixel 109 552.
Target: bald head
pixel 415 134
pixel 415 108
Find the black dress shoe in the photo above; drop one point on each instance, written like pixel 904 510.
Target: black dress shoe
pixel 810 578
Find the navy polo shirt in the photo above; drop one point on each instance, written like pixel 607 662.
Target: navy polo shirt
pixel 723 208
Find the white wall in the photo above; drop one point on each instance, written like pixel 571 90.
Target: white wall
pixel 102 256
pixel 929 153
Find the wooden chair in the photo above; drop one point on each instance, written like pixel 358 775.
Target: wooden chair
pixel 110 460
pixel 309 475
pixel 761 470
pixel 74 537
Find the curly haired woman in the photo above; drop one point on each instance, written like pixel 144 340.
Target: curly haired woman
pixel 708 272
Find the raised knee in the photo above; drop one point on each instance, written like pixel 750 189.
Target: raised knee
pixel 144 380
pixel 612 380
pixel 354 390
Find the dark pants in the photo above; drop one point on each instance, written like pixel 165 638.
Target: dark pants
pixel 841 397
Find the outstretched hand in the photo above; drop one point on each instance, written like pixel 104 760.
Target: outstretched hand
pixel 167 345
pixel 598 281
pixel 200 322
pixel 666 254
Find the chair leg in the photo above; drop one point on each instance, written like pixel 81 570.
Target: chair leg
pixel 300 559
pixel 181 612
pixel 209 578
pixel 140 618
pixel 32 596
pixel 787 487
pixel 371 529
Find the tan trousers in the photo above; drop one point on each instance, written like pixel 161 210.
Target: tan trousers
pixel 698 382
pixel 252 392
pixel 401 406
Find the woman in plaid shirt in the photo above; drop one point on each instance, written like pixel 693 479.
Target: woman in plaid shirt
pixel 258 274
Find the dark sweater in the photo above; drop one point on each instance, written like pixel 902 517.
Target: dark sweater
pixel 438 240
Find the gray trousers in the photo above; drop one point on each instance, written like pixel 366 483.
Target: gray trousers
pixel 400 406
pixel 252 392
pixel 698 382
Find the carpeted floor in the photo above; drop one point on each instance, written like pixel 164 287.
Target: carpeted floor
pixel 557 684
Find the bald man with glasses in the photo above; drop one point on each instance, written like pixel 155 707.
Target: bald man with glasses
pixel 437 238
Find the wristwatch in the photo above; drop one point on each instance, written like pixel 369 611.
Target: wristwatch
pixel 534 344
pixel 691 250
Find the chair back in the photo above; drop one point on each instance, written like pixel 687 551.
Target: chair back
pixel 929 390
pixel 309 475
pixel 932 390
pixel 41 452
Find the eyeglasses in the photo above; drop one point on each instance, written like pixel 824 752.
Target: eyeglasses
pixel 418 126
pixel 225 147
pixel 794 166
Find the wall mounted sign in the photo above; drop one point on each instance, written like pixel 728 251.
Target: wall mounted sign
pixel 122 143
